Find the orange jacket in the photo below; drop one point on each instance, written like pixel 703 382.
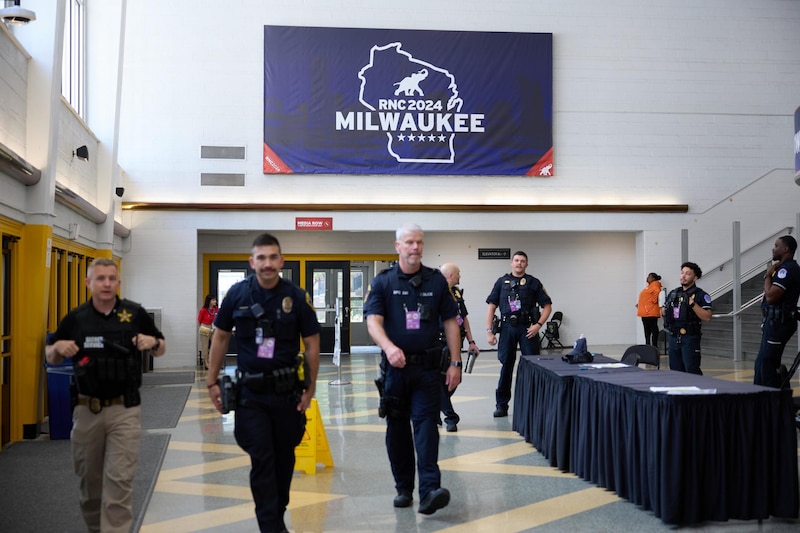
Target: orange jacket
pixel 648 300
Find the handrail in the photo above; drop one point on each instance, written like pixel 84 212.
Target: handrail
pixel 778 233
pixel 746 275
pixel 747 305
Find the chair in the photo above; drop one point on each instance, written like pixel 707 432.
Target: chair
pixel 648 354
pixel 550 332
pixel 630 358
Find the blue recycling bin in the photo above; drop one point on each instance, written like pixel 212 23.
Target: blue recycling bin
pixel 59 406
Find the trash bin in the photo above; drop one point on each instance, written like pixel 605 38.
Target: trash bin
pixel 59 406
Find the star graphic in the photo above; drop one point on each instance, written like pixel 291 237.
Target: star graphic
pixel 124 316
pixel 401 137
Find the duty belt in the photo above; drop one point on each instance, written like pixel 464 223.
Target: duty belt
pixel 689 329
pixel 280 381
pixel 96 404
pixel 430 358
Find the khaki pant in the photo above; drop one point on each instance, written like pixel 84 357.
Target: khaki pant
pixel 205 341
pixel 105 449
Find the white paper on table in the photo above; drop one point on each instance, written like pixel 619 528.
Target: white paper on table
pixel 604 365
pixel 683 390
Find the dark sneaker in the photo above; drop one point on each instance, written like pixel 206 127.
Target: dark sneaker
pixel 500 412
pixel 451 427
pixel 434 500
pixel 403 499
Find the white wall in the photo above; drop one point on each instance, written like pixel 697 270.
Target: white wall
pixel 654 102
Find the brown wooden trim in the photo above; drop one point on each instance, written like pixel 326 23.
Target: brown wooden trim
pixel 472 208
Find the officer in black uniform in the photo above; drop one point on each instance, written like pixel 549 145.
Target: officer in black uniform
pixel 519 297
pixel 452 274
pixel 105 338
pixel 404 309
pixel 779 307
pixel 684 310
pixel 274 386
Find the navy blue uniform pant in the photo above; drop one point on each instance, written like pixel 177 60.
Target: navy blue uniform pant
pixel 510 337
pixel 684 353
pixel 774 336
pixel 417 393
pixel 450 415
pixel 269 428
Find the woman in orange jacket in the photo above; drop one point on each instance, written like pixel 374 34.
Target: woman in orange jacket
pixel 649 309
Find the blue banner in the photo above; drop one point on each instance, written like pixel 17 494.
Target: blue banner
pixel 370 101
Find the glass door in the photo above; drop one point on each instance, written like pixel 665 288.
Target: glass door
pixel 328 282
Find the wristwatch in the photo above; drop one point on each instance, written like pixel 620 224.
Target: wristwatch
pixel 457 364
pixel 157 345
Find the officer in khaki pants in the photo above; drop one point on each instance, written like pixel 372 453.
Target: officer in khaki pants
pixel 104 338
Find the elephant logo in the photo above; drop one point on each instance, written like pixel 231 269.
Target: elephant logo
pixel 409 85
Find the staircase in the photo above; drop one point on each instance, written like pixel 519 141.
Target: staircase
pixel 718 334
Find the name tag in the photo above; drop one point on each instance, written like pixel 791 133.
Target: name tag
pixel 412 319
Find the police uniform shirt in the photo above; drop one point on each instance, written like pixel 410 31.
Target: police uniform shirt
pixel 459 298
pixel 678 313
pixel 290 311
pixel 787 277
pixel 391 296
pixel 94 332
pixel 529 290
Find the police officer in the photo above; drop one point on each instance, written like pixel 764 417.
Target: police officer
pixel 684 309
pixel 779 307
pixel 452 274
pixel 104 338
pixel 519 297
pixel 274 387
pixel 404 309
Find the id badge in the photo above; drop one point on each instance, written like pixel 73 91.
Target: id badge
pixel 266 350
pixel 460 320
pixel 676 312
pixel 515 305
pixel 412 319
pixel 259 336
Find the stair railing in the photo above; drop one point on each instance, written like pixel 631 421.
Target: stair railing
pixel 747 305
pixel 735 260
pixel 763 266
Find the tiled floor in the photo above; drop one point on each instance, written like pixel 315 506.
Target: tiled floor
pixel 498 482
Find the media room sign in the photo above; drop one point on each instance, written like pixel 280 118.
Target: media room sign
pixel 313 224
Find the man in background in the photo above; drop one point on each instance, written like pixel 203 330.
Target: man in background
pixel 779 307
pixel 684 310
pixel 452 274
pixel 519 296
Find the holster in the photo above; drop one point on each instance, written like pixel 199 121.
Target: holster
pixel 380 384
pixel 228 394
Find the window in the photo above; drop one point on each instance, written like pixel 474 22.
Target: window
pixel 73 68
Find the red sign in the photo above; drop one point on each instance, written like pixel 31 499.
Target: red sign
pixel 313 223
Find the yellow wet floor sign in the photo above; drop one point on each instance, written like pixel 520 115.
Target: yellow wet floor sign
pixel 313 449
